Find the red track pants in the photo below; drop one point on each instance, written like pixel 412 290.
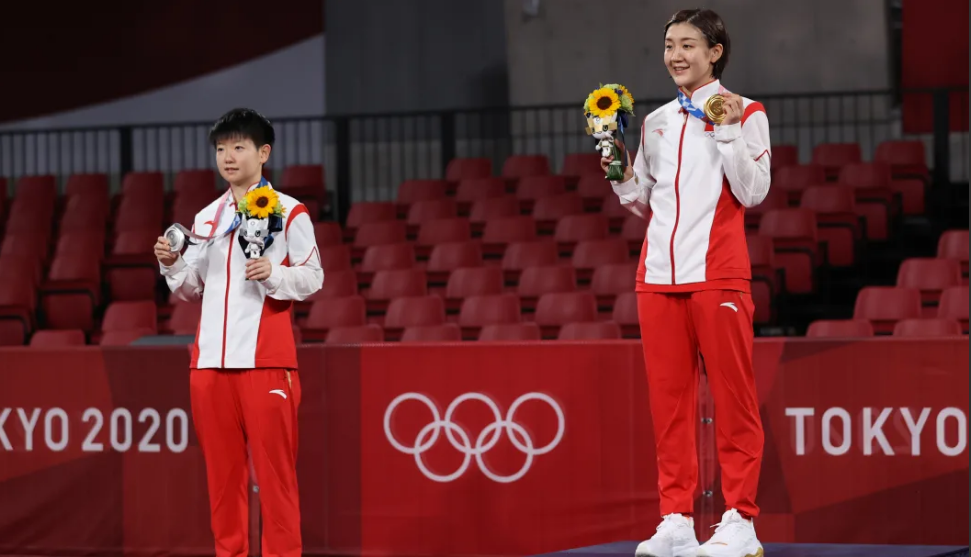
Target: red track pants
pixel 674 328
pixel 235 408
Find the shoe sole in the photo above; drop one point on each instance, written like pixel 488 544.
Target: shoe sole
pixel 758 553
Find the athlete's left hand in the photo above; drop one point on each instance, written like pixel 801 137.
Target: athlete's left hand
pixel 733 109
pixel 258 269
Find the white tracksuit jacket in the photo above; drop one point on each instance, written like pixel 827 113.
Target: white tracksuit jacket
pixel 692 182
pixel 246 324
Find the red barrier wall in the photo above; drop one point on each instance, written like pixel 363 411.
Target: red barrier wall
pixel 547 446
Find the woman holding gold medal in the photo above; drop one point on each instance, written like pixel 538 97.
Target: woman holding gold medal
pixel 702 159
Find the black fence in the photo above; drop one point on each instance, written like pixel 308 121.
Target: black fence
pixel 366 156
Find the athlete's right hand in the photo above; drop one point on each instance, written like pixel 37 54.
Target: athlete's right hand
pixel 164 253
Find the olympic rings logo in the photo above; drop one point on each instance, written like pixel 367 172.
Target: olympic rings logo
pixel 460 439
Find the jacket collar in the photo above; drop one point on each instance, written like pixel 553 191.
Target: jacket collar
pixel 701 94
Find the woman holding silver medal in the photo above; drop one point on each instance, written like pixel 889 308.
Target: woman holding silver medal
pixel 251 253
pixel 703 158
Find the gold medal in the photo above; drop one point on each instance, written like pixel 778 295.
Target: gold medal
pixel 715 109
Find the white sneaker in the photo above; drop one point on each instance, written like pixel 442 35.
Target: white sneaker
pixel 734 537
pixel 675 537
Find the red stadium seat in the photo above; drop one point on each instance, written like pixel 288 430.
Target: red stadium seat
pixel 510 332
pixel 907 159
pixel 412 311
pixel 533 188
pixel 140 213
pixel 329 313
pixel 610 280
pixel 625 315
pixel 520 255
pixel 465 168
pixel 413 191
pixel 548 210
pixel 447 332
pixel 523 166
pixel 475 281
pixel 931 276
pixel 784 155
pixel 953 244
pixel 391 284
pixel 386 257
pixel 93 186
pixel 838 225
pixel 18 304
pixel 593 189
pixel 200 181
pixel 577 165
pixel 795 238
pixel 434 209
pixel 579 228
pixel 777 198
pixel 446 258
pixel 634 232
pixel 594 330
pixel 537 281
pixel 365 212
pixel 42 186
pixel 954 305
pixel 485 210
pixel 883 306
pixel 130 315
pixel 304 181
pixel 498 233
pixel 443 231
pixel 57 339
pixel 927 327
pixel 475 189
pixel 840 328
pixel 479 311
pixel 362 334
pixel 335 258
pixel 144 185
pixel 833 156
pixel 767 281
pixel 337 284
pixel 89 243
pixel 327 234
pixel 557 309
pixel 874 198
pixel 185 318
pixel 123 338
pixel 795 179
pixel 590 254
pixel 380 234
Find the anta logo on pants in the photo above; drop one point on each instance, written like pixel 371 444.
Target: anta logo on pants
pixel 880 431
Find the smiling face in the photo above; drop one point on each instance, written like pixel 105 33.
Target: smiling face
pixel 688 57
pixel 239 161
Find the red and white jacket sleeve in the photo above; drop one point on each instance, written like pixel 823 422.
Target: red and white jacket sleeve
pixel 746 153
pixel 304 275
pixel 185 277
pixel 635 193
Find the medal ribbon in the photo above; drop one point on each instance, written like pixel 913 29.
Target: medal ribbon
pixel 690 108
pixel 237 220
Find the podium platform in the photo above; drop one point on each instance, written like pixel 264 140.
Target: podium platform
pixel 791 550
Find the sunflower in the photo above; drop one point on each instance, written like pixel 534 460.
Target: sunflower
pixel 261 203
pixel 603 102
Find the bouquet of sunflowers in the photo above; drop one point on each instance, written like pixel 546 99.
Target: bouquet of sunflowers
pixel 607 110
pixel 262 215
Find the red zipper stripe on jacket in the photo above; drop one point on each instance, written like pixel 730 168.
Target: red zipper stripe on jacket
pixel 677 195
pixel 229 259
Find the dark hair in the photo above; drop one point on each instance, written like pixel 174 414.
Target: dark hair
pixel 245 123
pixel 712 27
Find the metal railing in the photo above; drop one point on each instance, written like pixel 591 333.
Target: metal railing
pixel 366 156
